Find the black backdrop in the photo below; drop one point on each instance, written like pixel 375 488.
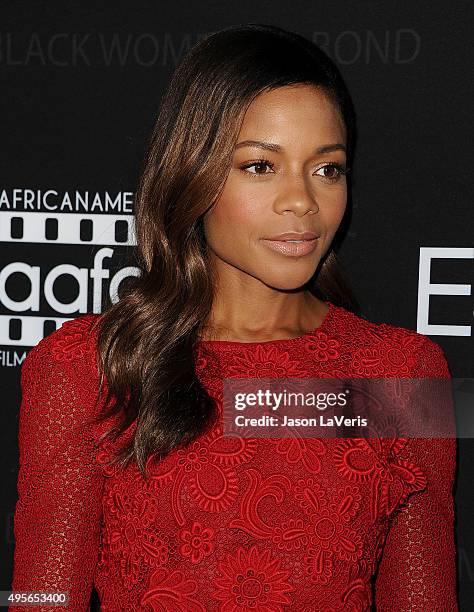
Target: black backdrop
pixel 81 83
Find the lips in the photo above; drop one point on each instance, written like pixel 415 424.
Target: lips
pixel 293 244
pixel 293 236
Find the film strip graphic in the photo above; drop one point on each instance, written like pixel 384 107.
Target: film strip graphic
pixel 32 329
pixel 67 228
pixel 79 229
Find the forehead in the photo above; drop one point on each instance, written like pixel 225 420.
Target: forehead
pixel 300 109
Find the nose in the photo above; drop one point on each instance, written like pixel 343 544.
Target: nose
pixel 295 196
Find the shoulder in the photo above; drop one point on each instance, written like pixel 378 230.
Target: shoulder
pixel 428 358
pixel 59 387
pixel 420 356
pixel 71 347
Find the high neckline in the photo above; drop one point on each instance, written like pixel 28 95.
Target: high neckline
pixel 228 344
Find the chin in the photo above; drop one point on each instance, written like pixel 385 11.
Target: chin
pixel 288 282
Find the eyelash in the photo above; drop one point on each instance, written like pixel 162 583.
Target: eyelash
pixel 339 167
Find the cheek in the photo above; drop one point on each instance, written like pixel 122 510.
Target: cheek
pixel 237 214
pixel 333 209
pixel 336 213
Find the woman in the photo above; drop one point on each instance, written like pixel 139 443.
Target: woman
pixel 244 188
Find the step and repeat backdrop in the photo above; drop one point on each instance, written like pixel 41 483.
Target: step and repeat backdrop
pixel 81 85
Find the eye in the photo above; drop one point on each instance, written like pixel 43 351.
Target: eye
pixel 336 171
pixel 259 163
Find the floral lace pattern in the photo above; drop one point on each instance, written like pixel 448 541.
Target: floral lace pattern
pixel 229 523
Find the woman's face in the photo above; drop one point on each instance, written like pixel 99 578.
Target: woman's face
pixel 291 187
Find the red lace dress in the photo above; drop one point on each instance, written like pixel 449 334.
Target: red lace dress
pixel 231 524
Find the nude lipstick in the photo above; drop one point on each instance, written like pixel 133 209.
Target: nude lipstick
pixel 293 244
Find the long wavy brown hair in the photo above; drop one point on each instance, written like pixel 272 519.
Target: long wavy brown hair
pixel 146 341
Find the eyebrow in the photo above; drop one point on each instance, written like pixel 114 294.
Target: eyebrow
pixel 270 146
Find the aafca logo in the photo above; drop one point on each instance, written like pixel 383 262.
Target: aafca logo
pixel 73 230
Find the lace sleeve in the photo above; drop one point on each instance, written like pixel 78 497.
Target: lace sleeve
pixel 58 511
pixel 417 572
